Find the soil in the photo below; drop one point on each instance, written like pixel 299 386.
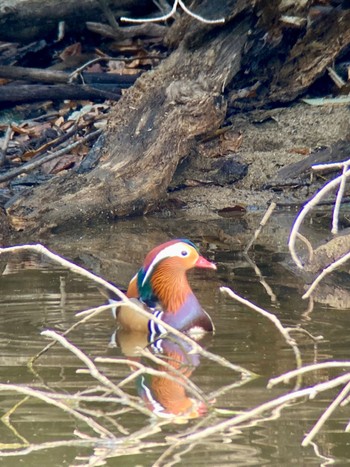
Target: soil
pixel 271 140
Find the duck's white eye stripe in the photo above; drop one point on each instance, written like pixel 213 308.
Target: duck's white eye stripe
pixel 173 250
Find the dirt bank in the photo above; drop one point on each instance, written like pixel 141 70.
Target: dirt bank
pixel 271 140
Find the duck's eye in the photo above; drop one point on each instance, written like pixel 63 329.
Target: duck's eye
pixel 184 253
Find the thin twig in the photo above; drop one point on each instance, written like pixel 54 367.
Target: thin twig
pixel 29 166
pixel 306 209
pixel 306 369
pixel 171 13
pixel 92 312
pixel 324 273
pixel 339 198
pixel 257 411
pixel 263 221
pixel 49 445
pixel 95 373
pixel 304 331
pixel 179 376
pixel 308 246
pixel 142 369
pixel 199 17
pixel 79 70
pixel 289 340
pixel 331 165
pixel 48 399
pixel 326 414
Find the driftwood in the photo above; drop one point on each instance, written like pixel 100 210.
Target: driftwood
pixel 153 126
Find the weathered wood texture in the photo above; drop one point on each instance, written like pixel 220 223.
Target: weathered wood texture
pixel 37 92
pixel 281 62
pixel 155 123
pixel 27 20
pixel 151 128
pixel 311 54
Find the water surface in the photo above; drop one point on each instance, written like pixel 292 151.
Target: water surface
pixel 37 295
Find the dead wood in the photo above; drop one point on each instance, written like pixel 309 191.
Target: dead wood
pixel 36 92
pixel 34 74
pixel 27 20
pixel 337 152
pixel 250 61
pixel 29 166
pixel 311 55
pixel 127 32
pixel 53 76
pixel 329 252
pixel 4 228
pixel 152 127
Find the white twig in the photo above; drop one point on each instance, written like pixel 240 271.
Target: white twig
pixel 339 199
pixel 253 413
pixel 198 17
pixel 173 374
pixel 289 340
pixel 263 221
pixel 326 414
pixel 40 249
pixel 95 373
pixel 171 13
pixel 331 165
pixel 306 369
pixel 326 271
pixel 306 209
pixel 48 398
pixel 308 245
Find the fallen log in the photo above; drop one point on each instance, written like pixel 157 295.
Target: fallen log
pixel 151 128
pixel 28 20
pixel 58 76
pixel 249 61
pixel 39 92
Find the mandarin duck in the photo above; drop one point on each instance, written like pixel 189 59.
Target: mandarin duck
pixel 161 286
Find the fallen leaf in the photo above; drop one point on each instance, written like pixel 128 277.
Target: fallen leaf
pixel 63 163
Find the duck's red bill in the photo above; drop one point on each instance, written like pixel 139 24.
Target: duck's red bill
pixel 204 263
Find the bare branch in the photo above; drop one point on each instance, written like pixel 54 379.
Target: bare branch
pixel 306 209
pixel 324 273
pixel 285 333
pixel 95 373
pixel 263 222
pixel 259 410
pixel 339 199
pixel 306 369
pixel 171 13
pixel 324 417
pixel 48 399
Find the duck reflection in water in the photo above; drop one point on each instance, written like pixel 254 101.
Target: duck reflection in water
pixel 166 398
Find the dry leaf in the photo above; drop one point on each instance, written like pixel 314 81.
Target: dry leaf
pixel 63 163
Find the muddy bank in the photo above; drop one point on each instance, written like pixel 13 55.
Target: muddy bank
pixel 271 140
